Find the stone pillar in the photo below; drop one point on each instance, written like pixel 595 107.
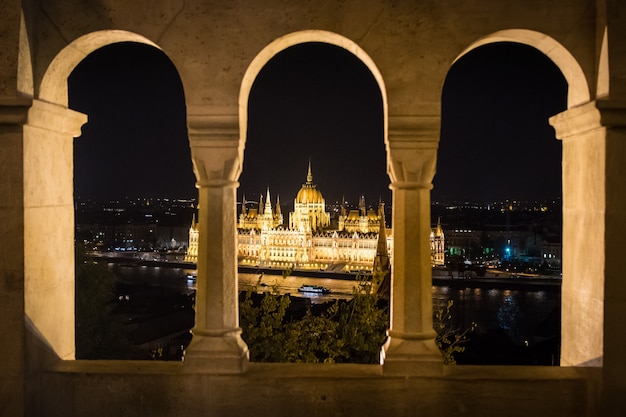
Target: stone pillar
pixel 217 346
pixel 412 151
pixel 49 228
pixel 13 114
pixel 594 226
pixel 37 211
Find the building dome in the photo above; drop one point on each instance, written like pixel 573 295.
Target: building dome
pixel 309 194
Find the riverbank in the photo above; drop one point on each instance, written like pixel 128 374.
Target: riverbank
pixel 513 315
pixel 520 284
pixel 493 280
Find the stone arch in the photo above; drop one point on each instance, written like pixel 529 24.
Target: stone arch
pixel 578 88
pixel 410 146
pixel 53 87
pixel 578 95
pixel 293 39
pixel 48 197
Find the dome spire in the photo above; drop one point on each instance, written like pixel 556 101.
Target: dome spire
pixel 309 176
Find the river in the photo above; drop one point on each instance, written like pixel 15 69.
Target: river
pixel 507 320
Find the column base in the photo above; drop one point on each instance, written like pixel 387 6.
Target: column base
pixel 411 356
pixel 222 354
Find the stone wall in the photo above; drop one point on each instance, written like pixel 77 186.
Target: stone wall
pixel 218 48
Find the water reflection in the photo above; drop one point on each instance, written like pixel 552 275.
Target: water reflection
pixel 499 309
pixel 506 319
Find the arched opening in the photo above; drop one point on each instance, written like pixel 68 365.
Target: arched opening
pixel 497 195
pixel 312 101
pixel 577 93
pixel 316 101
pixel 48 190
pixel 135 197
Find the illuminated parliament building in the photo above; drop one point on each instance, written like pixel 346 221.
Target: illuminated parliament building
pixel 308 241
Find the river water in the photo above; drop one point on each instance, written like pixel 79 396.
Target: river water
pixel 506 320
pixel 489 308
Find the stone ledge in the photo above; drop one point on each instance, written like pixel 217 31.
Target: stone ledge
pixel 338 371
pixel 104 388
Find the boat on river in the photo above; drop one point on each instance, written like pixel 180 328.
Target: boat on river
pixel 317 289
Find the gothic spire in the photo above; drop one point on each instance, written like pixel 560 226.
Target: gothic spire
pixel 278 211
pixel 381 249
pixel 268 203
pixel 382 263
pixel 309 175
pixel 439 230
pixel 362 206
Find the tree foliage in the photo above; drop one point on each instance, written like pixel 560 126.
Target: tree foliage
pixel 312 339
pixel 363 322
pixel 98 334
pixel 449 339
pixel 347 331
pixel 352 331
pixel 263 325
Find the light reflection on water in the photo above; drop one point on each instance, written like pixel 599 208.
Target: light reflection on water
pixel 517 312
pixel 177 278
pixel 521 311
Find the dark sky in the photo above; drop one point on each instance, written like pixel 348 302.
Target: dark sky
pixel 318 102
pixel 496 142
pixel 135 142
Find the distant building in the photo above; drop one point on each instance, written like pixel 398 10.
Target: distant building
pixel 308 242
pixel 437 245
pixel 551 253
pixel 359 220
pixel 192 248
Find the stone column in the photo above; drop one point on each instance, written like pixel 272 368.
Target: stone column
pixel 13 114
pixel 37 227
pixel 411 153
pixel 217 346
pixel 49 228
pixel 594 225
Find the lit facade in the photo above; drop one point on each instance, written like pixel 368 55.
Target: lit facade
pixel 308 242
pixel 192 248
pixel 437 245
pixel 361 220
pixel 40 376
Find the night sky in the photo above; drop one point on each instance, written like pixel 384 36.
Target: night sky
pixel 135 142
pixel 318 102
pixel 496 142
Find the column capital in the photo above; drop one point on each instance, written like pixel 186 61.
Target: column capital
pixel 55 118
pixel 213 126
pixel 593 115
pixel 401 185
pixel 216 148
pixel 414 128
pixel 412 144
